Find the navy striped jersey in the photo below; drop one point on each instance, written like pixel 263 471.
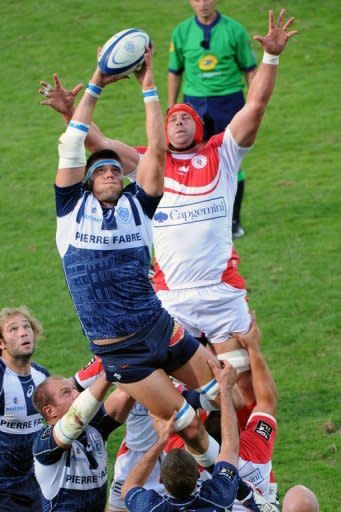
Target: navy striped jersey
pixel 106 257
pixel 76 478
pixel 19 422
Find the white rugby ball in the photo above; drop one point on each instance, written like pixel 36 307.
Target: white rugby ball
pixel 123 52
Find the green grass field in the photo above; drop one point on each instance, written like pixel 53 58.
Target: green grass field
pixel 291 212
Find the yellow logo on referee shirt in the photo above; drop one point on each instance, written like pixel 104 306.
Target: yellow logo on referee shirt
pixel 207 62
pixel 171 47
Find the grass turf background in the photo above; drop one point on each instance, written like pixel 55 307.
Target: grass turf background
pixel 291 214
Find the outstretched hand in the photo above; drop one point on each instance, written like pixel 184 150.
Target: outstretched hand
pixel 250 340
pixel 277 37
pixel 164 428
pixel 57 97
pixel 144 75
pixel 226 375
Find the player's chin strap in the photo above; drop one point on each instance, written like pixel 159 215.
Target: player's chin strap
pixel 81 412
pixel 239 359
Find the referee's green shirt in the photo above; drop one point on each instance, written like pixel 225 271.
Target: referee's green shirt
pixel 217 70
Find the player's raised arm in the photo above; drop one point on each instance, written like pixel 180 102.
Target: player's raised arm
pixel 150 170
pixel 62 100
pixel 245 124
pixel 71 148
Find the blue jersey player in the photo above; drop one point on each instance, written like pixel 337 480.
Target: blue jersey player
pixel 104 239
pixel 69 453
pixel 179 471
pixel 19 420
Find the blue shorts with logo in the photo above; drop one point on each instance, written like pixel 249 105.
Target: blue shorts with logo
pixel 216 111
pixel 166 345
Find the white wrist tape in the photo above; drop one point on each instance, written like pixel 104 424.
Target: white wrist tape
pixel 71 148
pixel 81 412
pixel 208 458
pixel 270 59
pixel 239 359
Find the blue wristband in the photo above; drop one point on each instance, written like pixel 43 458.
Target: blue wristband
pixel 79 126
pixel 93 90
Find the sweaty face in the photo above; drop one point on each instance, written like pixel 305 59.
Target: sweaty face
pixel 204 9
pixel 107 184
pixel 181 129
pixel 18 338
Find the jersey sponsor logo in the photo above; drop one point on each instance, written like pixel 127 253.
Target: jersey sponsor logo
pixel 171 47
pixel 87 238
pixel 255 476
pixel 29 391
pixel 199 161
pixel 263 429
pixel 124 214
pixel 20 425
pixel 92 217
pixel 207 62
pixel 187 214
pixel 228 473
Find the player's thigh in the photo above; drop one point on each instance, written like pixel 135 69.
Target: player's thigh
pixel 157 393
pixel 196 372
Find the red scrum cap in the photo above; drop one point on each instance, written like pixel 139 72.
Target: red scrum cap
pixel 184 107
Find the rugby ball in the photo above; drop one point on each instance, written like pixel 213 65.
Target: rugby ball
pixel 124 52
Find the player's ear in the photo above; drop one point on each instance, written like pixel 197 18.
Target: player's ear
pixel 49 412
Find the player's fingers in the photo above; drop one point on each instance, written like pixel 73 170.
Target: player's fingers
pixel 280 17
pixel 57 80
pixel 259 38
pixel 292 33
pixel 288 23
pixel 77 88
pixel 271 20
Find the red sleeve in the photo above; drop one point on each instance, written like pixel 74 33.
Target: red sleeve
pixel 258 439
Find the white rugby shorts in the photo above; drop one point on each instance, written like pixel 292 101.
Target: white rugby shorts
pixel 215 310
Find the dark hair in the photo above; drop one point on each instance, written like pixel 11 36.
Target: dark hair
pixel 98 155
pixel 179 473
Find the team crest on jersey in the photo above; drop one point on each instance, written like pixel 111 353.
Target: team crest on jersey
pixel 207 62
pixel 199 161
pixel 263 429
pixel 123 214
pixel 46 432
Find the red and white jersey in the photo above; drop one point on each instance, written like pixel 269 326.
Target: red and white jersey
pixel 192 232
pixel 255 452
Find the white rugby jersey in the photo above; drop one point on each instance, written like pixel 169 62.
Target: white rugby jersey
pixel 106 259
pixel 192 227
pixel 19 422
pixel 140 433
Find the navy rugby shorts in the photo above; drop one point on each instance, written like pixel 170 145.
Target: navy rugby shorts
pixel 166 345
